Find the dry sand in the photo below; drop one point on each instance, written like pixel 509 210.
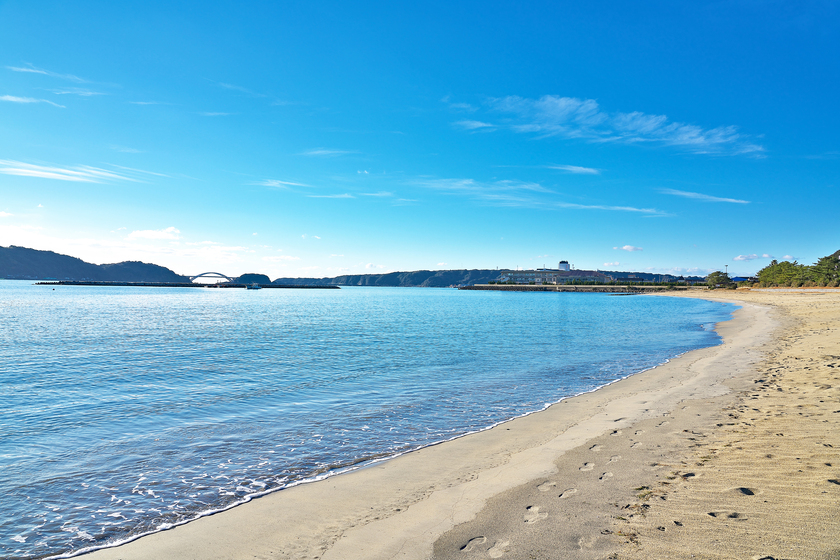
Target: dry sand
pixel 726 452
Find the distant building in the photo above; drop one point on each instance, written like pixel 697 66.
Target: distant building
pixel 564 265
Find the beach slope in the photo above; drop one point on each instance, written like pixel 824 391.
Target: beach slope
pixel 595 476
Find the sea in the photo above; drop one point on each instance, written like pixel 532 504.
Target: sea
pixel 128 410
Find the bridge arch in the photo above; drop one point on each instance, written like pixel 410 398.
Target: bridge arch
pixel 211 275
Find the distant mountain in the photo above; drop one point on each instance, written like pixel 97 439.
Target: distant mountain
pixel 20 262
pixel 419 278
pixel 444 278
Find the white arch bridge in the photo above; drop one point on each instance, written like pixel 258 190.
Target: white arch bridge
pixel 217 275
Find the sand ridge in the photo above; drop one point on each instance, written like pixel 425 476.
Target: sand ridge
pixel 766 478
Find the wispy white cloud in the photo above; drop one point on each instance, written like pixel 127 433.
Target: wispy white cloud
pixel 325 152
pixel 30 69
pixel 752 257
pixel 276 183
pixel 371 266
pixel 378 194
pixel 345 195
pixel 81 173
pixel 648 211
pixel 789 258
pixel 465 107
pixel 520 194
pixel 475 125
pixel 628 248
pixel 5 214
pixel 704 197
pixel 166 233
pixel 141 171
pixel 240 89
pixel 126 150
pixel 572 117
pixel 575 169
pixel 616 263
pixel 471 186
pixel 82 92
pixel 15 99
pixel 33 70
pixel 441 264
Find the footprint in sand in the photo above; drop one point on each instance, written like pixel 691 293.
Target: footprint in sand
pixel 638 432
pixel 587 542
pixel 614 458
pixel 595 448
pixel 498 549
pixel 587 466
pixel 616 433
pixel 637 444
pixel 473 542
pixel 533 514
pixel 727 515
pixel 568 492
pixel 747 491
pixel 605 476
pixel 662 423
pixel 546 486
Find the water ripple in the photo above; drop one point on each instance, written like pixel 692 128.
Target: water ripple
pixel 127 410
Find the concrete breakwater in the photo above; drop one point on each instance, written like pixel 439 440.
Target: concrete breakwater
pixel 603 289
pixel 178 285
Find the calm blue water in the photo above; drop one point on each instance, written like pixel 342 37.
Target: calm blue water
pixel 125 410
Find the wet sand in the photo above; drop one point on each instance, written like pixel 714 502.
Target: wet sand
pixel 602 475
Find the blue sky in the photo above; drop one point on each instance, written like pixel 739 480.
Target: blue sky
pixel 325 138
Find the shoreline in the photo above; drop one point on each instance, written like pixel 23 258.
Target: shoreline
pixel 347 470
pixel 399 508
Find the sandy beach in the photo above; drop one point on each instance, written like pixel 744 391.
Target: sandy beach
pixel 725 452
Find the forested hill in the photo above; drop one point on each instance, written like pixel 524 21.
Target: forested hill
pixel 20 262
pixel 421 278
pixel 444 278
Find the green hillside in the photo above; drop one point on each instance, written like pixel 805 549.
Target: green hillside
pixel 31 264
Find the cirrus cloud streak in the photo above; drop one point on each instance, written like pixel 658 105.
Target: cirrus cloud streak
pixel 572 117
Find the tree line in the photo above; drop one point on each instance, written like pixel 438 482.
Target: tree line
pixel 824 272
